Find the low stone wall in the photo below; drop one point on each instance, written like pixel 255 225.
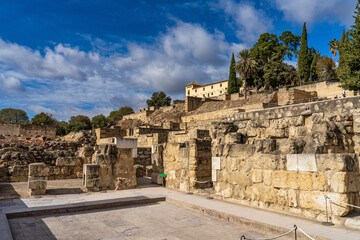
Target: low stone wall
pixel 141 115
pixel 63 158
pixel 278 183
pixel 105 133
pixel 28 130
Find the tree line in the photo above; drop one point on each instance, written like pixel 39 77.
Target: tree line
pixel 79 122
pixel 264 65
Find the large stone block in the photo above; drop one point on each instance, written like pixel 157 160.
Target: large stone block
pixel 38 170
pixel 279 179
pixel 301 162
pixel 337 162
pixel 305 181
pixel 267 176
pixel 91 177
pixel 315 200
pixel 257 176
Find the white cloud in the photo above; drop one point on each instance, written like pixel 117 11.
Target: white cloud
pixel 66 81
pixel 11 83
pixel 318 10
pixel 250 22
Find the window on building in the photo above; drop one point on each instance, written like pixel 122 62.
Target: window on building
pixel 212 87
pixel 195 90
pixel 220 85
pixel 220 92
pixel 226 88
pixel 203 95
pixel 212 93
pixel 188 92
pixel 203 89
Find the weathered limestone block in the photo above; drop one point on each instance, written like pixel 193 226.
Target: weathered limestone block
pixel 68 161
pixel 18 173
pixel 91 174
pixel 86 153
pixel 293 198
pixel 305 181
pixel 295 132
pixel 356 122
pixel 267 176
pixel 265 145
pixel 279 179
pixel 337 162
pixel 339 182
pixel 257 176
pixel 292 180
pixel 155 178
pixel 320 182
pixel 277 133
pixel 37 181
pixel 315 200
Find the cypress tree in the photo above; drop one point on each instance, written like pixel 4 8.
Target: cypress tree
pixel 342 44
pixel 233 83
pixel 303 60
pixel 350 59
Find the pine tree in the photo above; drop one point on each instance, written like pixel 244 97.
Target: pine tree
pixel 233 83
pixel 350 51
pixel 342 43
pixel 303 60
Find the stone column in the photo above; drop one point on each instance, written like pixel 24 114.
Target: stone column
pixel 37 181
pixel 91 181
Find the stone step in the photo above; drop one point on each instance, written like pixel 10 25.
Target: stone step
pixel 353 220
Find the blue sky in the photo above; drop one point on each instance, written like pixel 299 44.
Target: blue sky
pixel 90 57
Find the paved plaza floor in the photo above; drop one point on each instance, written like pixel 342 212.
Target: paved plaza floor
pixel 180 217
pixel 161 220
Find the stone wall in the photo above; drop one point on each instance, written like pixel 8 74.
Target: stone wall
pixel 192 103
pixel 187 160
pixel 114 163
pixel 148 140
pixel 143 164
pixel 284 159
pixel 103 133
pixel 142 114
pixel 28 130
pixel 61 158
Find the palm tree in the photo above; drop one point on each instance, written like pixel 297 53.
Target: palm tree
pixel 245 66
pixel 334 46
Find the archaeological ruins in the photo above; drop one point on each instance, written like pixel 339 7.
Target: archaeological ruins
pixel 283 151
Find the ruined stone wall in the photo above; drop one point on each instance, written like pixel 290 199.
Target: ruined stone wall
pixel 285 159
pixel 10 129
pixel 148 140
pixel 61 157
pixel 326 89
pixel 37 130
pixel 143 164
pixel 104 133
pixel 192 103
pixel 141 115
pixel 114 162
pixel 29 130
pixel 187 160
pixel 64 158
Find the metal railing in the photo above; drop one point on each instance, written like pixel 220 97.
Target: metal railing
pixel 337 203
pixel 294 229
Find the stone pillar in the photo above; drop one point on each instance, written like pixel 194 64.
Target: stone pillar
pixel 91 181
pixel 37 181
